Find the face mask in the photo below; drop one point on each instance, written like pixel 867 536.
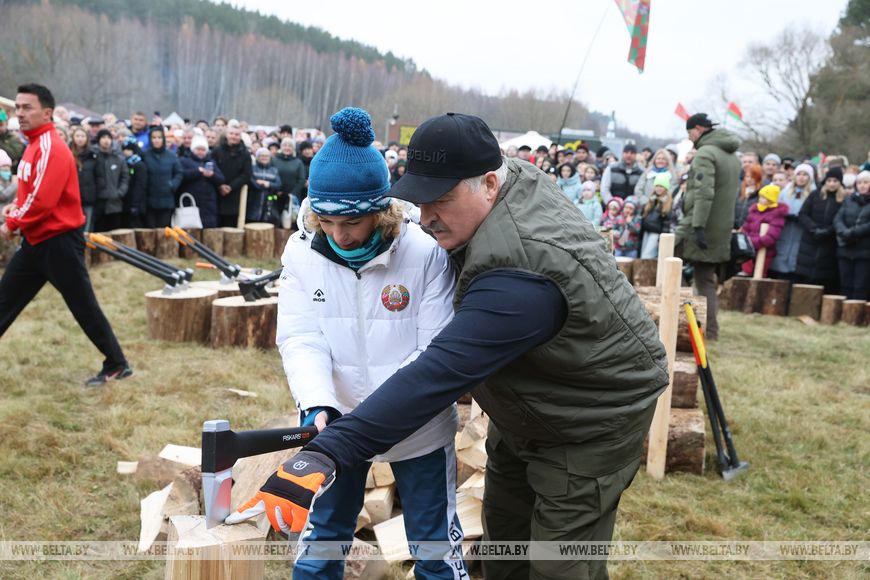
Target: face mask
pixel 5 175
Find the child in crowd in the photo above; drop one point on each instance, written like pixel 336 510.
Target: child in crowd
pixel 613 218
pixel 780 179
pixel 627 243
pixel 569 182
pixel 657 216
pixel 767 210
pixel 589 204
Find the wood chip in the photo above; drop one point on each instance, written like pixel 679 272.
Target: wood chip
pixel 242 393
pixel 127 467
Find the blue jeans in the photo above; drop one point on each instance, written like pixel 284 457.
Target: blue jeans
pixel 427 486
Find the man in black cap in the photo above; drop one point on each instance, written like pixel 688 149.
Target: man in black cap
pixel 620 179
pixel 549 337
pixel 524 152
pixel 703 236
pixel 95 125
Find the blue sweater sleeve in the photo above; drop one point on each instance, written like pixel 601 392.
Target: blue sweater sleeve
pixel 502 315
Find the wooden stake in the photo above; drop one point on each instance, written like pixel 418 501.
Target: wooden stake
pixel 668 321
pixel 243 206
pixel 760 255
pixel 666 250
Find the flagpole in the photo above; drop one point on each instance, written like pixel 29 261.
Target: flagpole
pixel 579 74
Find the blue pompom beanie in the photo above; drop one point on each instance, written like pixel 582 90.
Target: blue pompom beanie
pixel 348 176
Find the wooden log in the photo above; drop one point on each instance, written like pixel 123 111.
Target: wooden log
pixel 474 431
pixel 382 474
pixel 167 246
pixel 666 250
pixel 644 272
pixel 867 314
pixel 760 255
pixel 685 393
pixel 259 241
pixel 207 553
pixel 281 237
pixel 125 236
pixel 806 300
pixel 624 265
pixel 473 456
pixel 469 510
pixel 753 297
pixel 234 242
pixel 180 317
pixel 685 442
pixel 832 307
pixel 237 323
pixel 392 539
pixel 853 312
pixel 187 252
pixel 772 297
pixel 379 503
pixel 649 296
pixel 146 240
pixel 224 289
pixel 214 239
pixel 668 323
pixel 474 485
pixel 734 293
pixel 371 567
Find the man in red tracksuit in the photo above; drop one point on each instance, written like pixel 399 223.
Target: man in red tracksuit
pixel 48 212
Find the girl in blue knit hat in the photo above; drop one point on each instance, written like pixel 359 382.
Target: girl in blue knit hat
pixel 363 293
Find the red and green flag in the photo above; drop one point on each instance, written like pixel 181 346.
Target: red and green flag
pixel 636 15
pixel 681 112
pixel 734 111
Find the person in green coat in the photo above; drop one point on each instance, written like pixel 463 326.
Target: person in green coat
pixel 703 236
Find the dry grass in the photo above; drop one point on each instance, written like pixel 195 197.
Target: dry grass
pixel 797 398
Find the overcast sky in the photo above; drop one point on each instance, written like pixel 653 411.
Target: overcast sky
pixel 521 44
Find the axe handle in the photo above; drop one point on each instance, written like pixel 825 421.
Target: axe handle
pixel 220 450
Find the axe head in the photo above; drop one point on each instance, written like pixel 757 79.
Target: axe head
pixel 217 470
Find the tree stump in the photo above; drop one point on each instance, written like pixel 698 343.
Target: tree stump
pixel 806 300
pixel 223 289
pixel 853 312
pixel 771 296
pixel 832 307
pixel 685 391
pixel 99 256
pixel 281 237
pixel 650 296
pixel 644 272
pixel 685 442
pixel 146 240
pixel 214 239
pixel 125 236
pixel 167 246
pixel 180 317
pixel 246 324
pixel 624 265
pixel 187 252
pixel 259 241
pixel 734 293
pixel 208 554
pixel 234 242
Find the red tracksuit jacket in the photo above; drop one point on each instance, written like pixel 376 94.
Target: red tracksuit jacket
pixel 49 202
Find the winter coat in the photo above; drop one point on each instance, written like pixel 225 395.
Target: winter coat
pixel 626 234
pixel 852 225
pixel 137 191
pixel 775 220
pixel 204 189
pixel 592 209
pixel 646 184
pixel 292 173
pixel 88 177
pixel 113 179
pixel 657 223
pixel 619 180
pixel 258 196
pixel 11 144
pixel 164 177
pixel 709 200
pixel 817 256
pixel 340 338
pixel 235 164
pixel 570 187
pixel 741 208
pixel 789 242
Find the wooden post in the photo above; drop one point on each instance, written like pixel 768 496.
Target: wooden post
pixel 234 242
pixel 853 312
pixel 214 239
pixel 259 241
pixel 644 272
pixel 235 322
pixel 180 317
pixel 806 300
pixel 668 322
pixel 832 307
pixel 200 553
pixel 243 207
pixel 760 255
pixel 146 240
pixel 666 250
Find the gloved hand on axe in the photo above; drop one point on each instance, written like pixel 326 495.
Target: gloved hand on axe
pixel 289 493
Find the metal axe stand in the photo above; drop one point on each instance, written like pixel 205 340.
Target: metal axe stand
pixel 174 281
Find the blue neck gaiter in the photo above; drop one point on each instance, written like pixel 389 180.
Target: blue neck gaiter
pixel 359 257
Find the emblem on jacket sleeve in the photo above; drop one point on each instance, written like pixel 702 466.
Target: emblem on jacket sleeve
pixel 395 297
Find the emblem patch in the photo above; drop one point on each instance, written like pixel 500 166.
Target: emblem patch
pixel 395 297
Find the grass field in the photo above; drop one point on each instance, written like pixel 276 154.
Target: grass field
pixel 798 399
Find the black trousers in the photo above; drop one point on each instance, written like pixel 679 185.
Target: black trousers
pixel 60 261
pixel 855 278
pixel 158 218
pixel 229 221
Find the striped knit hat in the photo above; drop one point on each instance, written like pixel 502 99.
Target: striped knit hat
pixel 349 176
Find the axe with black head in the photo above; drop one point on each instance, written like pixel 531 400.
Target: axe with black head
pixel 222 447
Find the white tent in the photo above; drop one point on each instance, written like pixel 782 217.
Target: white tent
pixel 173 119
pixel 533 139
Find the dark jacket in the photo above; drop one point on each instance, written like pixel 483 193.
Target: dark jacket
pixel 135 200
pixel 852 225
pixel 775 220
pixel 623 180
pixel 113 179
pixel 204 189
pixel 292 173
pixel 741 208
pixel 262 201
pixel 164 176
pixel 817 257
pixel 87 165
pixel 235 163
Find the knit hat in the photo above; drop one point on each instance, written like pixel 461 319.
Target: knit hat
pixel 849 179
pixel 770 193
pixel 836 173
pixel 617 201
pixel 772 157
pixel 806 168
pixel 4 158
pixel 349 176
pixel 863 175
pixel 106 133
pixel 199 143
pixel 632 201
pixel 663 179
pixel 589 186
pixel 262 151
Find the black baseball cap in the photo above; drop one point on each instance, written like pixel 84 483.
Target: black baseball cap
pixel 699 120
pixel 443 151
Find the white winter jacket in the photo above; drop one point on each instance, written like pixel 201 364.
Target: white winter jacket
pixel 342 333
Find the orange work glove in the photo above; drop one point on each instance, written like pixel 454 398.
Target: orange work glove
pixel 289 493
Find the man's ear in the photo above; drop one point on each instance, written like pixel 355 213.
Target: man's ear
pixel 490 181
